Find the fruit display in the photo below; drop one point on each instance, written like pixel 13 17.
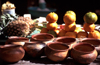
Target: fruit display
pixel 52 25
pixel 17 28
pixel 52 42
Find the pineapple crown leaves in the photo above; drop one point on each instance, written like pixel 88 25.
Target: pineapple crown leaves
pixel 5 19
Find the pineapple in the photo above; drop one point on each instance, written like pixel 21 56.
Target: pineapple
pixel 29 21
pixel 17 28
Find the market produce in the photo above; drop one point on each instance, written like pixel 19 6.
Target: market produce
pixel 90 17
pixel 52 17
pixel 70 27
pixel 52 25
pixel 89 27
pixel 69 18
pixel 71 12
pixel 17 28
pixel 94 34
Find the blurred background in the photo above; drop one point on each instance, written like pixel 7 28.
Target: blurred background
pixel 80 7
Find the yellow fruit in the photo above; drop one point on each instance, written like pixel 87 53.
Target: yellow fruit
pixel 44 30
pixel 70 27
pixel 89 27
pixel 82 34
pixel 78 29
pixel 52 26
pixel 61 33
pixel 71 34
pixel 52 17
pixel 94 34
pixel 69 18
pixel 71 12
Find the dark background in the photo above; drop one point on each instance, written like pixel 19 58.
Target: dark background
pixel 80 7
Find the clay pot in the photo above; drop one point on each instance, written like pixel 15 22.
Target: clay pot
pixel 83 53
pixel 17 40
pixel 56 51
pixel 42 37
pixel 35 49
pixel 11 53
pixel 93 41
pixel 66 40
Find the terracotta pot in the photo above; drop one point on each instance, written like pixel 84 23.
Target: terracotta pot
pixel 17 40
pixel 42 37
pixel 56 51
pixel 66 40
pixel 83 53
pixel 35 49
pixel 93 41
pixel 11 53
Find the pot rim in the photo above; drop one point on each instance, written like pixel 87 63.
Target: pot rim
pixel 9 46
pixel 16 38
pixel 65 37
pixel 57 43
pixel 83 43
pixel 34 42
pixel 32 37
pixel 93 39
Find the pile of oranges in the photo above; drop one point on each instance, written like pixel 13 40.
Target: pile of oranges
pixel 70 29
pixel 51 25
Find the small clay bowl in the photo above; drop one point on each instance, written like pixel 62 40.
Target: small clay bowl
pixel 83 53
pixel 93 41
pixel 11 53
pixel 56 51
pixel 66 40
pixel 35 49
pixel 17 40
pixel 42 37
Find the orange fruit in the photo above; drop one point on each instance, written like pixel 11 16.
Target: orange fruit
pixel 61 33
pixel 71 12
pixel 71 34
pixel 78 29
pixel 70 27
pixel 52 26
pixel 82 34
pixel 90 17
pixel 89 27
pixel 94 34
pixel 69 18
pixel 52 17
pixel 44 30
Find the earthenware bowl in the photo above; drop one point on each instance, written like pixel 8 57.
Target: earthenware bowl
pixel 42 37
pixel 17 40
pixel 56 51
pixel 93 41
pixel 34 49
pixel 83 53
pixel 66 40
pixel 11 53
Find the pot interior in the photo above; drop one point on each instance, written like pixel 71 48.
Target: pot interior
pixel 58 46
pixel 84 48
pixel 38 37
pixel 93 42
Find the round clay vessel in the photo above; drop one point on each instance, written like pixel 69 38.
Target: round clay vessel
pixel 93 41
pixel 17 40
pixel 66 40
pixel 42 37
pixel 11 53
pixel 35 49
pixel 56 51
pixel 84 53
